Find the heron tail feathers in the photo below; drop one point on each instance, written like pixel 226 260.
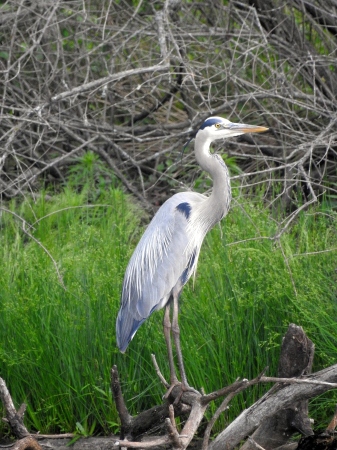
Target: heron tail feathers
pixel 126 328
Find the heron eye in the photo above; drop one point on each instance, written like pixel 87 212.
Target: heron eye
pixel 217 125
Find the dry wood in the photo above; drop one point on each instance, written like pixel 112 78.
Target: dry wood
pixel 274 417
pixel 27 443
pixel 15 421
pixel 13 418
pixel 144 79
pixel 297 353
pixel 270 404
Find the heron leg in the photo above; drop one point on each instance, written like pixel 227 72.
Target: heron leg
pixel 176 337
pixel 167 333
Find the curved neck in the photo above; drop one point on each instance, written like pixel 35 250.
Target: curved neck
pixel 217 204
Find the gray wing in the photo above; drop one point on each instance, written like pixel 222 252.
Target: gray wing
pixel 163 260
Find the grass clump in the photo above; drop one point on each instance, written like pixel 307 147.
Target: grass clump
pixel 57 345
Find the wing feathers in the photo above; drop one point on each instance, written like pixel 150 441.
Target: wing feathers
pixel 159 263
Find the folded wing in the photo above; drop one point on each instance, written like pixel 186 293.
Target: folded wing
pixel 162 261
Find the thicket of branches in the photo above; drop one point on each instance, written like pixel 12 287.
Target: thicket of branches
pixel 132 80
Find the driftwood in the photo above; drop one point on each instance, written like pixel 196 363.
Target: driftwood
pixel 15 421
pixel 13 418
pixel 296 360
pixel 269 423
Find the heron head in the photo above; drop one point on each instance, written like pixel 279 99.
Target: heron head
pixel 219 128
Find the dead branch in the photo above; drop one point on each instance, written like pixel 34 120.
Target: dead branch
pixel 236 387
pixel 26 440
pixel 26 443
pixel 172 430
pixel 270 404
pixel 138 425
pixel 216 415
pixel 120 404
pixel 297 353
pixel 158 372
pixel 280 413
pixel 13 418
pixel 274 417
pixel 54 436
pixel 147 102
pixel 15 421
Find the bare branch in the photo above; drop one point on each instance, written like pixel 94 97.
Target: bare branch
pixel 160 375
pixel 12 417
pixel 270 404
pixel 93 85
pixel 119 400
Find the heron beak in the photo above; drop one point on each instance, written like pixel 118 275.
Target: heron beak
pixel 243 128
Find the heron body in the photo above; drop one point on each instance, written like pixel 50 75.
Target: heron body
pixel 167 254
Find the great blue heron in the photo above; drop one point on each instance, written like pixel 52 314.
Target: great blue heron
pixel 167 254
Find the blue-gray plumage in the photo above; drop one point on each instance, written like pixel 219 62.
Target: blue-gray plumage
pixel 167 254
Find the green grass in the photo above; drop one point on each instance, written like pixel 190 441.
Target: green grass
pixel 57 345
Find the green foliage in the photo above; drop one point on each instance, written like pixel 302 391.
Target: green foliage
pixel 249 288
pixel 91 176
pixel 57 346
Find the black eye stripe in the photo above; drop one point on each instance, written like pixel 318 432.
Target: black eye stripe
pixel 209 122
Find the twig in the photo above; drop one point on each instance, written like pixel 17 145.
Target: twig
pixel 216 415
pixel 160 375
pixel 38 40
pixel 112 165
pixel 144 444
pixel 159 17
pixel 53 436
pixel 236 387
pixel 105 80
pixel 297 381
pixel 172 430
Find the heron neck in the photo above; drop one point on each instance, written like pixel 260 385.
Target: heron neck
pixel 217 204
